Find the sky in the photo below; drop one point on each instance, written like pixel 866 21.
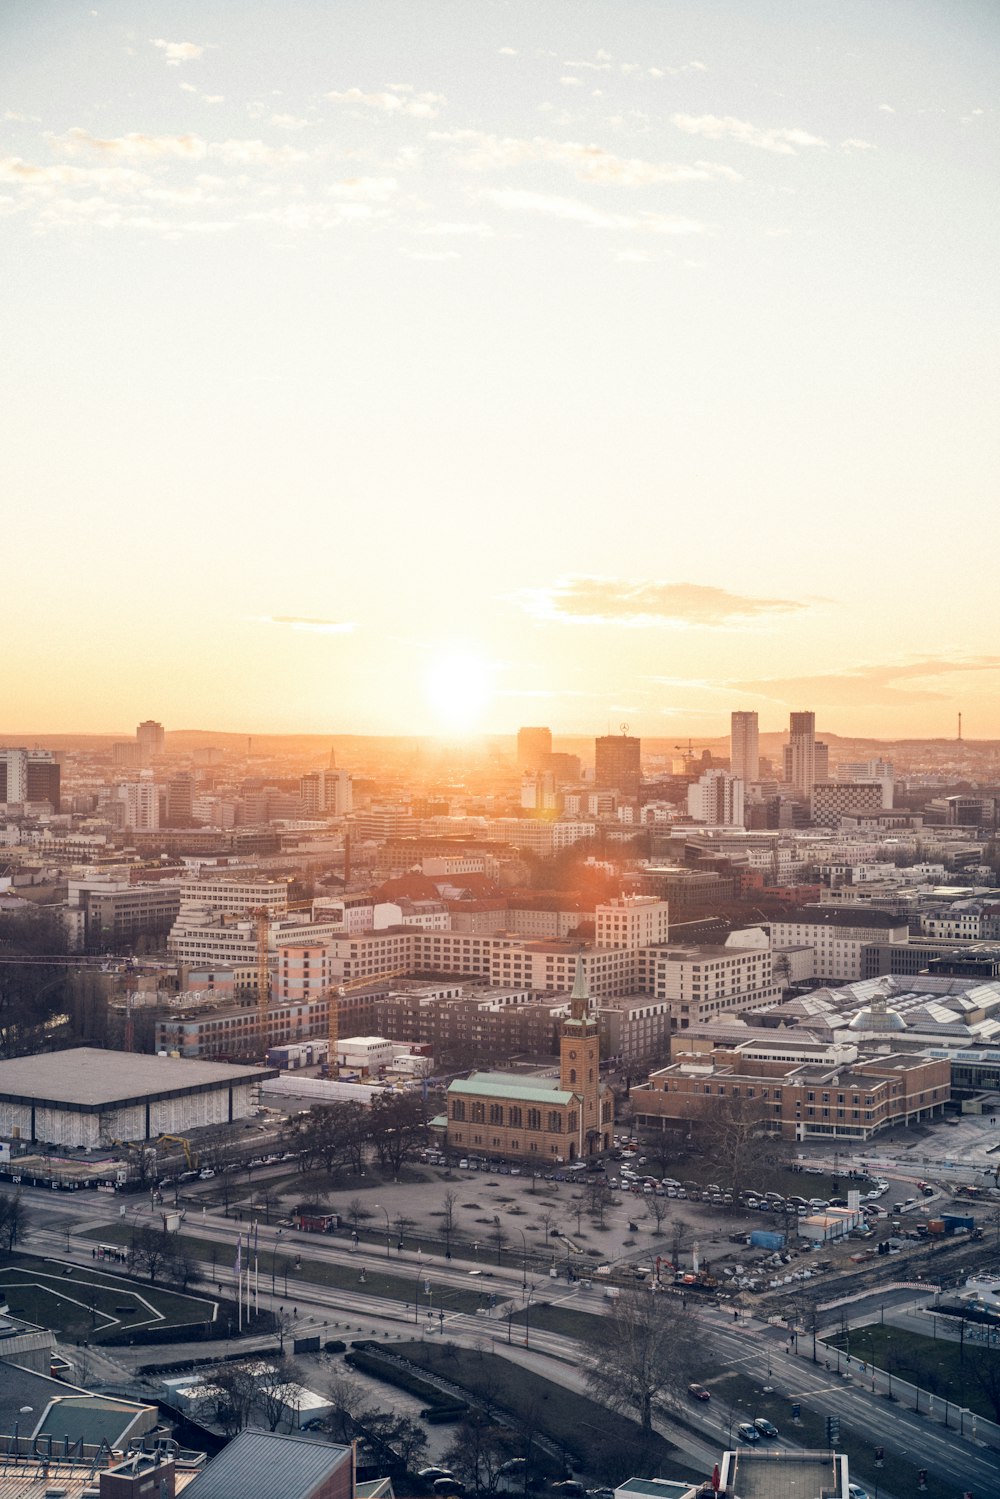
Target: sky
pixel 442 366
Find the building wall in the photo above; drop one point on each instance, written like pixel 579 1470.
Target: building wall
pixel 177 1115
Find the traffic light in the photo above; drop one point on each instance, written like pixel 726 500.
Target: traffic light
pixel 921 1478
pixel 832 1430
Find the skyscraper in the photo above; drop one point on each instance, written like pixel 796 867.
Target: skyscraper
pixel 744 746
pixel 150 738
pixel 532 747
pixel 616 764
pixel 800 753
pixel 29 776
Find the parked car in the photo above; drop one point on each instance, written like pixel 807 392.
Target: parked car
pixel 572 1488
pixel 448 1486
pixel 429 1474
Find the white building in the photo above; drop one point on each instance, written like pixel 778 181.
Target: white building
pixel 141 802
pixel 837 936
pixel 700 982
pixel 717 798
pixel 632 921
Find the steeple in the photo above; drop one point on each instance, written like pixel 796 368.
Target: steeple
pixel 579 1000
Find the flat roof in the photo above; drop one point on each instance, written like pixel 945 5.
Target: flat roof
pixel 784 1474
pixel 87 1078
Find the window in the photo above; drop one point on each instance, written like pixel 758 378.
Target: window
pixel 555 1122
pixel 496 1114
pixel 515 1117
pixel 534 1118
pixel 458 1108
pixel 479 1113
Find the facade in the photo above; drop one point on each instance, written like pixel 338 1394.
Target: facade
pixel 832 800
pixel 150 738
pixel 180 801
pixel 800 753
pixel 29 776
pixel 617 764
pixel 533 748
pixel 700 982
pixel 88 1098
pixel 141 804
pixel 632 921
pixel 838 936
pixel 543 1120
pixel 717 797
pixel 115 911
pixel 744 746
pixel 798 1101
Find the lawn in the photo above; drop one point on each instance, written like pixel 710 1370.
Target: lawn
pixel 604 1446
pixel 377 1282
pixel 938 1365
pixel 93 1304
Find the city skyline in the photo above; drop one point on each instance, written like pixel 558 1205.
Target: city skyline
pixel 498 366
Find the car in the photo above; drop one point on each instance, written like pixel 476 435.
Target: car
pixel 856 1491
pixel 747 1431
pixel 765 1427
pixel 572 1488
pixel 207 1174
pixel 699 1392
pixel 600 1494
pixel 429 1474
pixel 514 1465
pixel 447 1486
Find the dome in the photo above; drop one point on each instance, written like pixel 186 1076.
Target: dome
pixel 877 1019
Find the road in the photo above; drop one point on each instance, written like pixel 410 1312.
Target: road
pixel 350 1312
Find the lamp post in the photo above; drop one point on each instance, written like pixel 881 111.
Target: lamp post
pixel 527 1318
pixel 524 1260
pixel 387 1227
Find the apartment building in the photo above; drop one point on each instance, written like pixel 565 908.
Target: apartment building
pixel 632 921
pixel 833 800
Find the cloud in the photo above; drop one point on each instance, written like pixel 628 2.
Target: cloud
pixel 288 122
pixel 306 622
pixel 482 152
pixel 478 230
pixel 14 170
pixel 873 686
pixel 727 127
pixel 853 144
pixel 177 52
pixel 616 601
pixel 364 189
pixel 76 140
pixel 401 99
pixel 551 205
pixel 886 109
pixel 508 52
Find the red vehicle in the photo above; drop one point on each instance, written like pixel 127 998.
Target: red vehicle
pixel 699 1392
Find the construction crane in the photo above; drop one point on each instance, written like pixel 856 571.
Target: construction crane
pixel 334 997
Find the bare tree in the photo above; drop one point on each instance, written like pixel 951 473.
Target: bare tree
pixel 150 1250
pixel 478 1453
pixel 450 1202
pixel 229 1392
pixel 736 1141
pixel 548 1220
pixel 15 1220
pixel 357 1212
pixel 644 1355
pixel 656 1209
pixel 278 1385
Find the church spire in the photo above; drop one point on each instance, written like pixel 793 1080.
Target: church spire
pixel 579 1000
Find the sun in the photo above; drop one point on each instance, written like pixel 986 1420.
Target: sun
pixel 458 687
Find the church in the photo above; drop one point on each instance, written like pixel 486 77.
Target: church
pixel 544 1120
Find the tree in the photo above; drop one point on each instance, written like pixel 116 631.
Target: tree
pixel 402 1440
pixel 644 1355
pixel 678 1237
pixel 478 1453
pixel 548 1220
pixel 278 1387
pixel 450 1202
pixel 151 1250
pixel 984 1366
pixel 33 996
pixel 656 1209
pixel 397 1126
pixel 228 1396
pixel 15 1220
pixel 357 1212
pixel 736 1142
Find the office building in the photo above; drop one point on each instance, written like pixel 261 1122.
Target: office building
pixel 744 746
pixel 141 802
pixel 29 776
pixel 180 802
pixel 150 737
pixel 533 746
pixel 717 798
pixel 616 764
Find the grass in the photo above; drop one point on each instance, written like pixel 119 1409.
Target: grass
pixel 92 1303
pixel 338 1277
pixel 742 1399
pixel 935 1364
pixel 604 1446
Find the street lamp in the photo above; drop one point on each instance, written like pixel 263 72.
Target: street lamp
pixel 527 1318
pixel 524 1260
pixel 387 1227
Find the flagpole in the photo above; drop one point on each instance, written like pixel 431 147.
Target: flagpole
pixel 256 1269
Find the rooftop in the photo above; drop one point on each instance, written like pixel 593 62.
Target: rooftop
pixel 88 1077
pixel 269 1466
pixel 511 1085
pixel 784 1474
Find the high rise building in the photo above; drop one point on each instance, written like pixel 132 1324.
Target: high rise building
pixel 141 803
pixel 717 798
pixel 800 753
pixel 29 776
pixel 744 746
pixel 150 738
pixel 616 764
pixel 180 802
pixel 532 747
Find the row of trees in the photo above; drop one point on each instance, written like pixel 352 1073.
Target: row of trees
pixel 341 1136
pixel 14 1220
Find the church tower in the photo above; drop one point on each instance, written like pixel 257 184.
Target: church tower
pixel 580 1065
